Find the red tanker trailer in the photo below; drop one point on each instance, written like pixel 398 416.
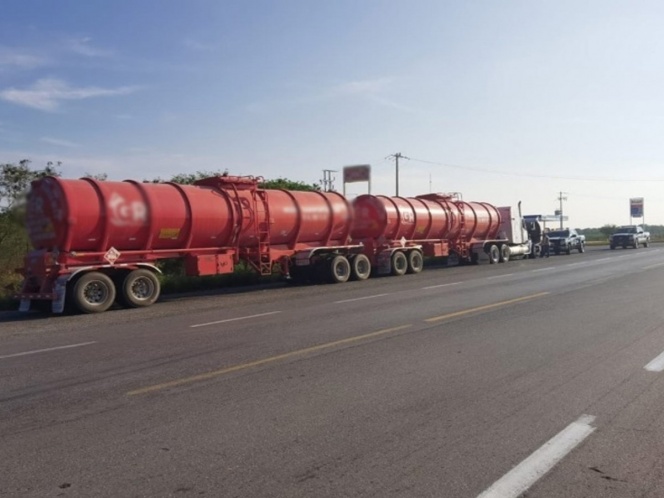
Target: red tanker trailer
pixel 398 231
pixel 95 242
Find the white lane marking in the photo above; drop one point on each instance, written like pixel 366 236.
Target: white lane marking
pixel 528 472
pixel 653 266
pixel 601 259
pixel 233 319
pixel 359 298
pixel 545 269
pixel 441 285
pixel 69 346
pixel 576 264
pixel 656 365
pixel 500 276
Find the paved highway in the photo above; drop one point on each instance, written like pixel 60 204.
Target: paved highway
pixel 538 377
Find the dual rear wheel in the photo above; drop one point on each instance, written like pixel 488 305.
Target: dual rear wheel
pixel 94 292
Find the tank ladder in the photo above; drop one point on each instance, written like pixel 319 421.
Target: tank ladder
pixel 263 233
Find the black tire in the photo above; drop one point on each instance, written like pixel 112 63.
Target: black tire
pixel 636 244
pixel 399 264
pixel 582 248
pixel 299 274
pixel 494 254
pixel 339 269
pixel 612 248
pixel 568 251
pixel 556 251
pixel 140 288
pixel 415 261
pixel 505 253
pixel 646 243
pixel 360 267
pixel 93 292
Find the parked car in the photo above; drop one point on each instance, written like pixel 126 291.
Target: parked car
pixel 629 235
pixel 565 240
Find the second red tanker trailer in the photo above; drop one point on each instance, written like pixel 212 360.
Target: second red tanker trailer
pixel 98 242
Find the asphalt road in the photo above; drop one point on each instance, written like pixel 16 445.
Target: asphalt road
pixel 541 377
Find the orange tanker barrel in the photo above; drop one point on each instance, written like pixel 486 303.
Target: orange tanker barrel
pixel 411 218
pixel 482 220
pixel 89 215
pixel 304 217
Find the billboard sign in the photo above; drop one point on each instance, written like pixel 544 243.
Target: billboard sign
pixel 636 207
pixel 359 173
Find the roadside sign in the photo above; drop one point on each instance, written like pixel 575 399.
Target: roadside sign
pixel 636 207
pixel 359 173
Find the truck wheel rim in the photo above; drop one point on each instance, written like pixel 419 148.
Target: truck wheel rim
pixel 95 293
pixel 142 288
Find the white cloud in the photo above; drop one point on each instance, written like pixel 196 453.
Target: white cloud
pixel 47 94
pixel 61 143
pixel 19 58
pixel 198 45
pixel 364 87
pixel 82 46
pixel 372 90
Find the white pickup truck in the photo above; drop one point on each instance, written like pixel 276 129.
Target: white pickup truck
pixel 629 236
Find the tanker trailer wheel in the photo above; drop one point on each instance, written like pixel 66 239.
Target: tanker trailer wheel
pixel 505 253
pixel 415 261
pixel 339 269
pixel 360 267
pixel 494 254
pixel 93 292
pixel 140 288
pixel 399 263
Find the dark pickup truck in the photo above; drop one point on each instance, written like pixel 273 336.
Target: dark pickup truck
pixel 629 236
pixel 565 240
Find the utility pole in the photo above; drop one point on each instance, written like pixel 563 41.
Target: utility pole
pixel 328 179
pixel 396 157
pixel 561 199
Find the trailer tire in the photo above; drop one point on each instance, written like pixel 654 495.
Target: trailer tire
pixel 298 274
pixel 415 261
pixel 494 254
pixel 339 269
pixel 360 267
pixel 398 264
pixel 93 292
pixel 505 253
pixel 140 288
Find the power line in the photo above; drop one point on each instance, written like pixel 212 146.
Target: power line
pixel 534 175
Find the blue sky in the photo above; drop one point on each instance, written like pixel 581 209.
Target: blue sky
pixel 501 101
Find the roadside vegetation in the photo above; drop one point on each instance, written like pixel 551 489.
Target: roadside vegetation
pixel 15 181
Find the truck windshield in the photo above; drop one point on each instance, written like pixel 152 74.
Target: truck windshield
pixel 559 233
pixel 626 230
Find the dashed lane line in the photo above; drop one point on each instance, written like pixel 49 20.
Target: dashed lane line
pixel 233 319
pixel 360 298
pixel 485 307
pixel 47 350
pixel 529 471
pixel 243 366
